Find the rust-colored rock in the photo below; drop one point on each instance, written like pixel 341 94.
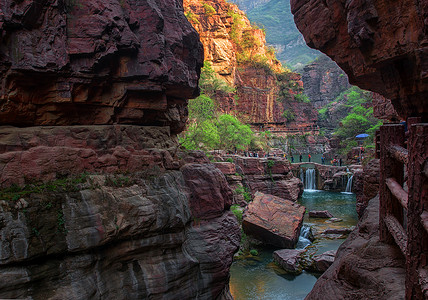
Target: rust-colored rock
pixel 381 46
pixel 289 260
pixel 254 71
pixel 47 153
pixel 95 62
pixel 207 200
pixel 274 220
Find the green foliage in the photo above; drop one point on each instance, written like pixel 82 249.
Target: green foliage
pixel 191 17
pixel 229 159
pixel 209 10
pixel 241 190
pixel 237 211
pixel 254 252
pixel 66 184
pixel 210 83
pixel 118 181
pixel 302 98
pixel 233 133
pixel 202 108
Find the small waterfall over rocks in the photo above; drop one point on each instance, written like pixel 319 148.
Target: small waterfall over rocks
pixel 349 185
pixel 310 180
pixel 304 237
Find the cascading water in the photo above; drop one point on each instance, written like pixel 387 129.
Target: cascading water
pixel 302 178
pixel 349 185
pixel 310 180
pixel 304 237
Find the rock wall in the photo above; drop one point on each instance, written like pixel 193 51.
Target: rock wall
pixel 250 175
pixel 97 203
pixel 323 81
pixel 158 237
pixel 381 46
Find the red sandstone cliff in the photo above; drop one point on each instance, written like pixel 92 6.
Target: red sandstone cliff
pixel 144 223
pixel 96 62
pixel 237 51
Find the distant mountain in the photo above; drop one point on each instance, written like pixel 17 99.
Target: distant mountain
pixel 281 32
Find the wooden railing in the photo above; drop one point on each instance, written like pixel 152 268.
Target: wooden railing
pixel 404 215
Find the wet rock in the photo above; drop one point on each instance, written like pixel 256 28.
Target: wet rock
pixel 289 260
pixel 320 214
pixel 323 261
pixel 273 220
pixel 334 220
pixel 338 231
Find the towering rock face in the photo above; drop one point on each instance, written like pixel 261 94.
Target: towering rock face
pixel 323 81
pixel 96 62
pixel 238 54
pixel 101 72
pixel 381 46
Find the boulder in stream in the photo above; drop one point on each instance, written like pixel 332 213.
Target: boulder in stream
pixel 323 261
pixel 273 220
pixel 289 259
pixel 320 214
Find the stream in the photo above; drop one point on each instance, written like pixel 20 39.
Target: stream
pixel 259 278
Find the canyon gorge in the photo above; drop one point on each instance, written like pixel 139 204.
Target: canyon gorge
pixel 100 199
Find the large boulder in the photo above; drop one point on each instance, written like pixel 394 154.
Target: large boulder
pixel 207 200
pixel 273 220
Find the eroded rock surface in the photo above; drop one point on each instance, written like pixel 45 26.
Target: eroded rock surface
pixel 97 62
pixel 136 242
pixel 273 220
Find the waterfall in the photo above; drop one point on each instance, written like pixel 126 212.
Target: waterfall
pixel 349 185
pixel 304 237
pixel 310 180
pixel 302 178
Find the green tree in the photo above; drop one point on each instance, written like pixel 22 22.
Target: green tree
pixel 233 133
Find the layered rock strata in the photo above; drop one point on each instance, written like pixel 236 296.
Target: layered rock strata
pixel 109 82
pixel 248 175
pixel 90 62
pixel 323 81
pixel 238 54
pixel 150 239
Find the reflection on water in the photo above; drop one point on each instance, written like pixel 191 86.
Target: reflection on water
pixel 254 279
pixel 259 278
